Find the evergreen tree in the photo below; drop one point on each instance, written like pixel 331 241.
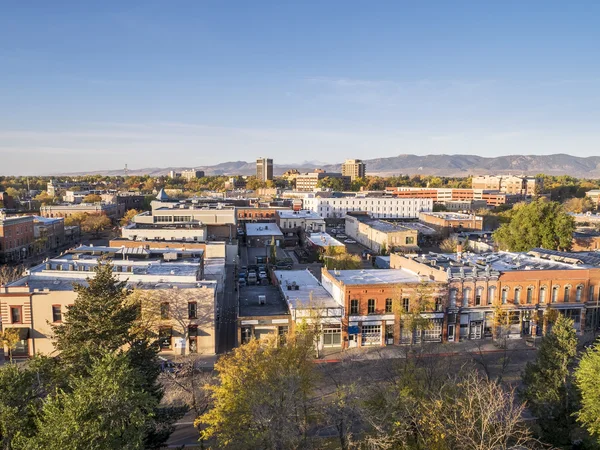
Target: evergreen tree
pixel 548 387
pixel 587 378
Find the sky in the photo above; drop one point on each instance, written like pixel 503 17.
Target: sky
pixel 90 86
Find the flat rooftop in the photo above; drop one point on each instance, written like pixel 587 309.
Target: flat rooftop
pixel 453 216
pixel 324 240
pixel 310 293
pixel 381 225
pixel 250 307
pixel 263 229
pixel 375 276
pixel 304 214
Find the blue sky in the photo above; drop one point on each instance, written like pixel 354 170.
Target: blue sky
pixel 97 85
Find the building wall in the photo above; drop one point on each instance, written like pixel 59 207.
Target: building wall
pixel 440 222
pixel 16 238
pixel 373 238
pixel 175 234
pixel 377 207
pixel 109 210
pixel 257 214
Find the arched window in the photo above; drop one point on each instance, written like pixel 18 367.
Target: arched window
pixel 491 295
pixel 578 293
pixel 567 294
pixel 543 290
pixel 466 297
pixel 504 295
pixel 530 294
pixel 453 298
pixel 555 294
pixel 517 295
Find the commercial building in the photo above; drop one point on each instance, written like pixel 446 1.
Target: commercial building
pixel 192 174
pixel 49 234
pixel 378 207
pixel 378 302
pixel 263 234
pixel 305 220
pixel 170 281
pixel 447 222
pixel 110 210
pixel 16 238
pixel 262 312
pixel 378 235
pixel 472 198
pixel 509 184
pixel 264 169
pixel 6 201
pixel 321 242
pixel 258 213
pixel 308 182
pixel 354 168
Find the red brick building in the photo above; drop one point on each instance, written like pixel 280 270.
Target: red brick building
pixel 16 238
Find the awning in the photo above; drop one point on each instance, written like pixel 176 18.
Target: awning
pixel 23 333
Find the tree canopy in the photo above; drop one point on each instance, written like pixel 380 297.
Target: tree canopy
pixel 537 224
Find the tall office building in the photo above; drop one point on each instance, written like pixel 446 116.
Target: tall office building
pixel 354 168
pixel 264 169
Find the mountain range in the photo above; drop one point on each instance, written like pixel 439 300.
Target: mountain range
pixel 440 165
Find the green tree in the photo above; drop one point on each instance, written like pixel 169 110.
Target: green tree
pixel 263 398
pixel 536 224
pixel 76 219
pixel 587 379
pixel 9 339
pixel 103 411
pixel 335 184
pixel 92 198
pixel 548 387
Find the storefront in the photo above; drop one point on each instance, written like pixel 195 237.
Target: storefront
pixel 371 333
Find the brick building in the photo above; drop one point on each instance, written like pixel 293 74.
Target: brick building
pixel 447 222
pixel 16 238
pixel 111 210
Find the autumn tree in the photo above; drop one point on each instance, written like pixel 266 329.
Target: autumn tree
pixel 76 219
pixel 262 399
pixel 92 198
pixel 537 224
pixel 10 273
pixel 130 214
pixel 45 199
pixel 579 205
pixel 95 223
pixel 548 384
pixel 10 338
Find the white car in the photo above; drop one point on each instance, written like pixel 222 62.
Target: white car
pixel 350 241
pixel 262 274
pixel 341 236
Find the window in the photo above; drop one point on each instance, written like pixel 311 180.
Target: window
pixel 192 310
pixel 388 305
pixel 517 295
pixel 164 310
pixel 543 294
pixel 16 314
pixel 439 306
pixel 554 294
pixel 405 304
pixel 491 294
pixel 371 306
pixel 353 306
pixel 466 297
pixel 56 313
pixel 529 294
pixel 504 295
pixel 164 337
pixel 591 297
pixel 567 293
pixel 478 294
pixel 578 293
pixel 453 298
pixel 410 240
pixel 193 338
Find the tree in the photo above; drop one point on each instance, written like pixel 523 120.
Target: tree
pixel 547 381
pixel 10 338
pixel 12 192
pixel 343 412
pixel 420 300
pixel 45 199
pixel 579 205
pixel 94 223
pixel 104 411
pixel 262 400
pixel 335 184
pixel 587 379
pixel 92 198
pixel 10 273
pixel 333 259
pixel 130 214
pixel 449 245
pixel 537 224
pixel 76 219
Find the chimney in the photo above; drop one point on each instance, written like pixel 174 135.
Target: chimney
pixel 459 249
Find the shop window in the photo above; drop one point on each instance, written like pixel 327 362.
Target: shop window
pixel 353 306
pixel 165 338
pixel 193 338
pixel 388 305
pixel 371 306
pixel 246 334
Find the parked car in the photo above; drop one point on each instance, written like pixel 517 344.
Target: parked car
pixel 262 274
pixel 350 241
pixel 242 282
pixel 341 236
pixel 283 266
pixel 252 278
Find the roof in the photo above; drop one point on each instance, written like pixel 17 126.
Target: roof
pixel 303 214
pixel 47 220
pixel 375 276
pixel 263 229
pixel 309 294
pixel 324 240
pixel 453 216
pixel 162 196
pixel 381 225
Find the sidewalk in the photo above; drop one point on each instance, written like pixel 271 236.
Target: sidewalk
pixel 418 350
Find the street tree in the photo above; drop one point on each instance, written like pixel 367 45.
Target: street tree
pixel 130 214
pixel 537 224
pixel 587 379
pixel 262 399
pixel 76 219
pixel 10 338
pixel 548 385
pixel 95 223
pixel 103 411
pixel 10 273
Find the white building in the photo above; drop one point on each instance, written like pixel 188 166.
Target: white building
pixel 377 207
pixel 309 221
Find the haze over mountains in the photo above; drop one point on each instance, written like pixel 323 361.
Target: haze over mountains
pixel 441 165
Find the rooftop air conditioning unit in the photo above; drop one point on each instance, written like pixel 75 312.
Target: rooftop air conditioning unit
pixel 262 299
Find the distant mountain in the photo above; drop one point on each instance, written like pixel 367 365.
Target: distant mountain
pixel 441 165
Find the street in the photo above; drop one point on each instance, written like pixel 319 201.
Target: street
pixel 227 316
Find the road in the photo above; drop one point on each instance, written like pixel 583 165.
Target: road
pixel 227 321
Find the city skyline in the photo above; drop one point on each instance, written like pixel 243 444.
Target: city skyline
pixel 94 88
